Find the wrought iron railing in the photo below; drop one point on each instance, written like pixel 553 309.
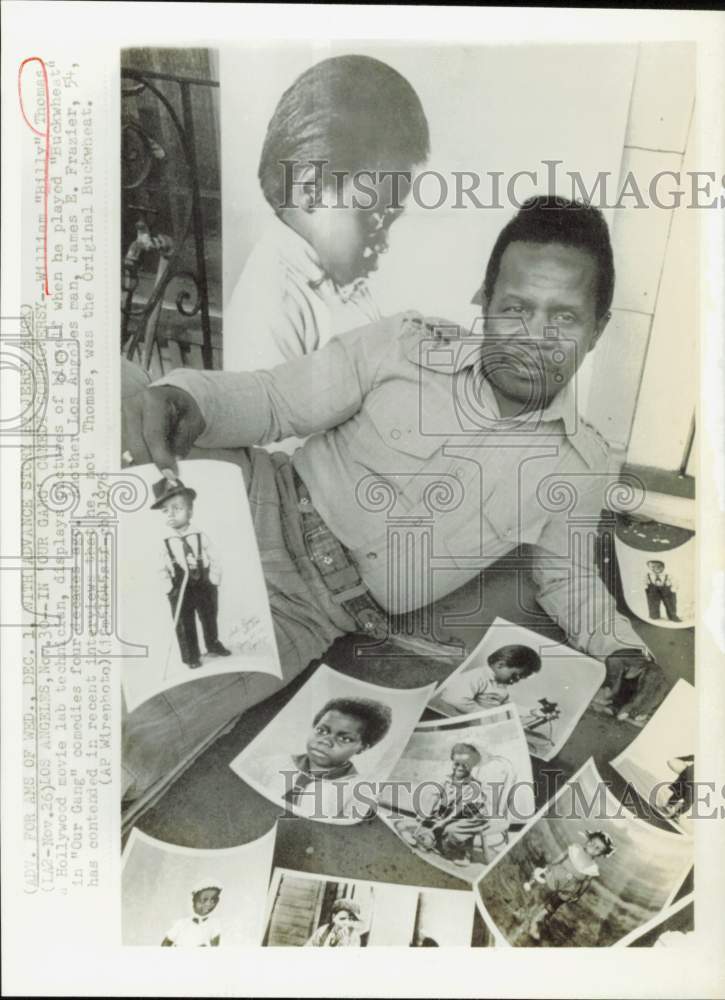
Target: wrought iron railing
pixel 140 152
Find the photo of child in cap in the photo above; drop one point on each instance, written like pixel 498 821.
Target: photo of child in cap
pixel 567 877
pixel 341 931
pixel 191 573
pixel 199 929
pixel 660 591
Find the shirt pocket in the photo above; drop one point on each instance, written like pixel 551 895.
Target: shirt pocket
pixel 393 421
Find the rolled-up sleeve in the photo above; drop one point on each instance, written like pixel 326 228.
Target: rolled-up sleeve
pixel 302 397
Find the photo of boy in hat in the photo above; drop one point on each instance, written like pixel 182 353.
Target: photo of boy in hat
pixel 191 573
pixel 199 929
pixel 341 931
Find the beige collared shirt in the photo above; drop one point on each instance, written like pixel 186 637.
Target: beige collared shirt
pixel 285 305
pixel 412 467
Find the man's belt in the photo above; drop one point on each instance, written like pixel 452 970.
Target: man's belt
pixel 342 578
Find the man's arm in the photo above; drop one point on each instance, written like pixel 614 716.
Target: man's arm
pixel 302 397
pixel 468 692
pixel 568 584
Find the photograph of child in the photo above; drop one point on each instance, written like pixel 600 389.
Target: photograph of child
pixel 462 789
pixel 305 278
pixel 660 591
pixel 584 873
pixel 340 737
pixel 191 573
pixel 178 897
pixel 314 911
pixel 200 929
pixel 192 593
pixel 659 764
pixel 550 684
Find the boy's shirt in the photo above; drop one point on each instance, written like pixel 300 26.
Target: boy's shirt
pixel 194 932
pixel 285 305
pixel 288 776
pixel 193 548
pixel 660 580
pixel 473 690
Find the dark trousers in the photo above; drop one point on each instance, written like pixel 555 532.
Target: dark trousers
pixel 200 598
pixel 661 595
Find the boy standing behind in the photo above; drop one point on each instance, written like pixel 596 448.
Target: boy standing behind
pixel 305 280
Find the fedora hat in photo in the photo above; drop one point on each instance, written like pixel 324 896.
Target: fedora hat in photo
pixel 165 489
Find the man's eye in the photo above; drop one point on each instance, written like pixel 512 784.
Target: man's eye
pixel 321 730
pixel 565 317
pixel 516 309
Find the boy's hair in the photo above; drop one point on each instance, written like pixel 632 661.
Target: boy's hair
pixel 355 112
pixel 656 562
pixel 521 657
pixel 374 716
pixel 552 219
pixel 348 905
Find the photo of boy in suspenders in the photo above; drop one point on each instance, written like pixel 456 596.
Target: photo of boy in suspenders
pixel 191 573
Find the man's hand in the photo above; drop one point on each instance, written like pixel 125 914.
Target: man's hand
pixel 171 423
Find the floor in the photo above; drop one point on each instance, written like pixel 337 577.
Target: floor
pixel 210 807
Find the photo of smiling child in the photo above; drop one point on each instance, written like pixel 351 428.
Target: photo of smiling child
pixel 550 684
pixel 199 929
pixel 324 752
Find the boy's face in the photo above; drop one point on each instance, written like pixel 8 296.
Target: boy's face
pixel 334 740
pixel 341 919
pixel 349 240
pixel 656 567
pixel 541 321
pixel 507 675
pixel 205 901
pixel 178 511
pixel 461 768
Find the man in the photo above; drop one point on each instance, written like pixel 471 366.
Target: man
pixel 431 454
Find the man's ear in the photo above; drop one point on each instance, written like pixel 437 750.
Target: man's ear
pixel 599 329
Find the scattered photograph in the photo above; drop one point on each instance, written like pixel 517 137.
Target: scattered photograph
pixel 657 569
pixel 461 790
pixel 325 752
pixel 660 763
pixel 192 588
pixel 585 873
pixel 313 911
pixel 550 684
pixel 673 928
pixel 178 897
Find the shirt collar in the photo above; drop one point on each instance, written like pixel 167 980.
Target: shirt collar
pixel 303 257
pixel 302 763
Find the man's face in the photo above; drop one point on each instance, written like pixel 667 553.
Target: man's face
pixel 461 768
pixel 350 240
pixel 541 321
pixel 205 901
pixel 334 740
pixel 178 512
pixel 507 675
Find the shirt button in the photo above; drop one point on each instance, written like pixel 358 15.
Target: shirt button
pixel 395 434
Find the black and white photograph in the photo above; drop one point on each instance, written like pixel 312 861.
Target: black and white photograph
pixel 315 912
pixel 585 872
pixel 550 685
pixel 327 751
pixel 192 584
pixel 173 897
pixel 461 790
pixel 673 928
pixel 660 763
pixel 364 497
